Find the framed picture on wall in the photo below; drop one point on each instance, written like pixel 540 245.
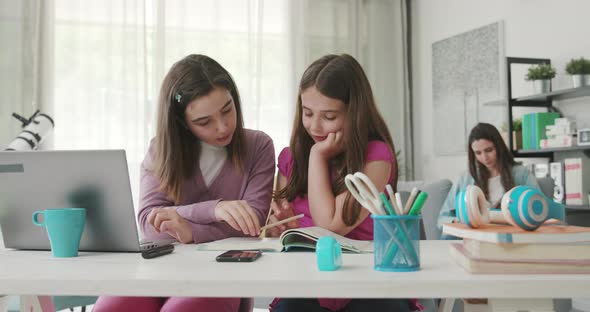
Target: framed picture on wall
pixel 468 85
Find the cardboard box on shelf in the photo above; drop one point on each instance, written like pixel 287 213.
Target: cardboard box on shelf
pixel 561 140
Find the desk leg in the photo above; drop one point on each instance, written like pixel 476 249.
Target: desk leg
pixel 446 305
pixel 532 305
pixel 3 303
pixel 36 304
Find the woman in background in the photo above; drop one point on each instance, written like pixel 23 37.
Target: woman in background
pixel 491 167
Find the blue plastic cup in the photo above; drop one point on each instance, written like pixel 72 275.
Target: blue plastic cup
pixel 64 228
pixel 397 243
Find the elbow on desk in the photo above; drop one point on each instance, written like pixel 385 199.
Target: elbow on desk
pixel 335 226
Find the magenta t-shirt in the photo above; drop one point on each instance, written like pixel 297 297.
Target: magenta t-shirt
pixel 376 151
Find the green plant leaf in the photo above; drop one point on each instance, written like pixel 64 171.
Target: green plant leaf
pixel 517 124
pixel 579 66
pixel 540 72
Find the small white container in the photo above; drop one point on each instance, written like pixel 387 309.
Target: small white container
pixel 542 86
pixel 580 80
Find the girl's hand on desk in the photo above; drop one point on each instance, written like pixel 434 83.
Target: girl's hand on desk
pixel 239 215
pixel 169 221
pixel 281 211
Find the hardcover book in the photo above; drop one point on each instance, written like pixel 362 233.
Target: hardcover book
pixel 487 266
pixel 498 233
pixel 536 251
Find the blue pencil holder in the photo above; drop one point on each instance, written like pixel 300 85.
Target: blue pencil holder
pixel 397 243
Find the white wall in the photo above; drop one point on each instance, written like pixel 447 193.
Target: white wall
pixel 532 28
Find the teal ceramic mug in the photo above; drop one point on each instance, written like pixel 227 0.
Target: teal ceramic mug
pixel 64 228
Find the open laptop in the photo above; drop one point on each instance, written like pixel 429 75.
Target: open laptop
pixel 97 180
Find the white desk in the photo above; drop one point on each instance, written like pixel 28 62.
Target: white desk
pixel 188 272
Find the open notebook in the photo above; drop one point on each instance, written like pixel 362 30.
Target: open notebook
pixel 302 238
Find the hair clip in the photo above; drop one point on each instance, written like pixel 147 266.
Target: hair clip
pixel 178 97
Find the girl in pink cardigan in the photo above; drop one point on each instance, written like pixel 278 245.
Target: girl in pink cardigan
pixel 204 177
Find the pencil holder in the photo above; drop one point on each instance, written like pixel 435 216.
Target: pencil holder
pixel 397 243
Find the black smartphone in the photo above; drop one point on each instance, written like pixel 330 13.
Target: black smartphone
pixel 157 251
pixel 239 256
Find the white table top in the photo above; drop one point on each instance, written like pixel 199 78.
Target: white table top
pixel 188 272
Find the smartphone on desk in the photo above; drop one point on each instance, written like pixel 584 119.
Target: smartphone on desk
pixel 239 256
pixel 157 251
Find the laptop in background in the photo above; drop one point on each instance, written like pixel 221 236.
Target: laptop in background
pixel 97 180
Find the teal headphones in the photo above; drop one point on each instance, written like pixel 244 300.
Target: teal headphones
pixel 523 206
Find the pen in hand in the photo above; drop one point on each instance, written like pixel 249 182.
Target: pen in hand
pixel 299 216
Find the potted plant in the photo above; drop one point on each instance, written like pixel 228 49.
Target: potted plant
pixel 541 75
pixel 516 133
pixel 580 71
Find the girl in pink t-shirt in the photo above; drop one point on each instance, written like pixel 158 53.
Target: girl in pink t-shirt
pixel 337 130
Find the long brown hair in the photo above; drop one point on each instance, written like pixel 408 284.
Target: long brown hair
pixel 504 159
pixel 339 77
pixel 176 148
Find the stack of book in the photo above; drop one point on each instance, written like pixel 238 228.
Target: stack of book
pixel 505 249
